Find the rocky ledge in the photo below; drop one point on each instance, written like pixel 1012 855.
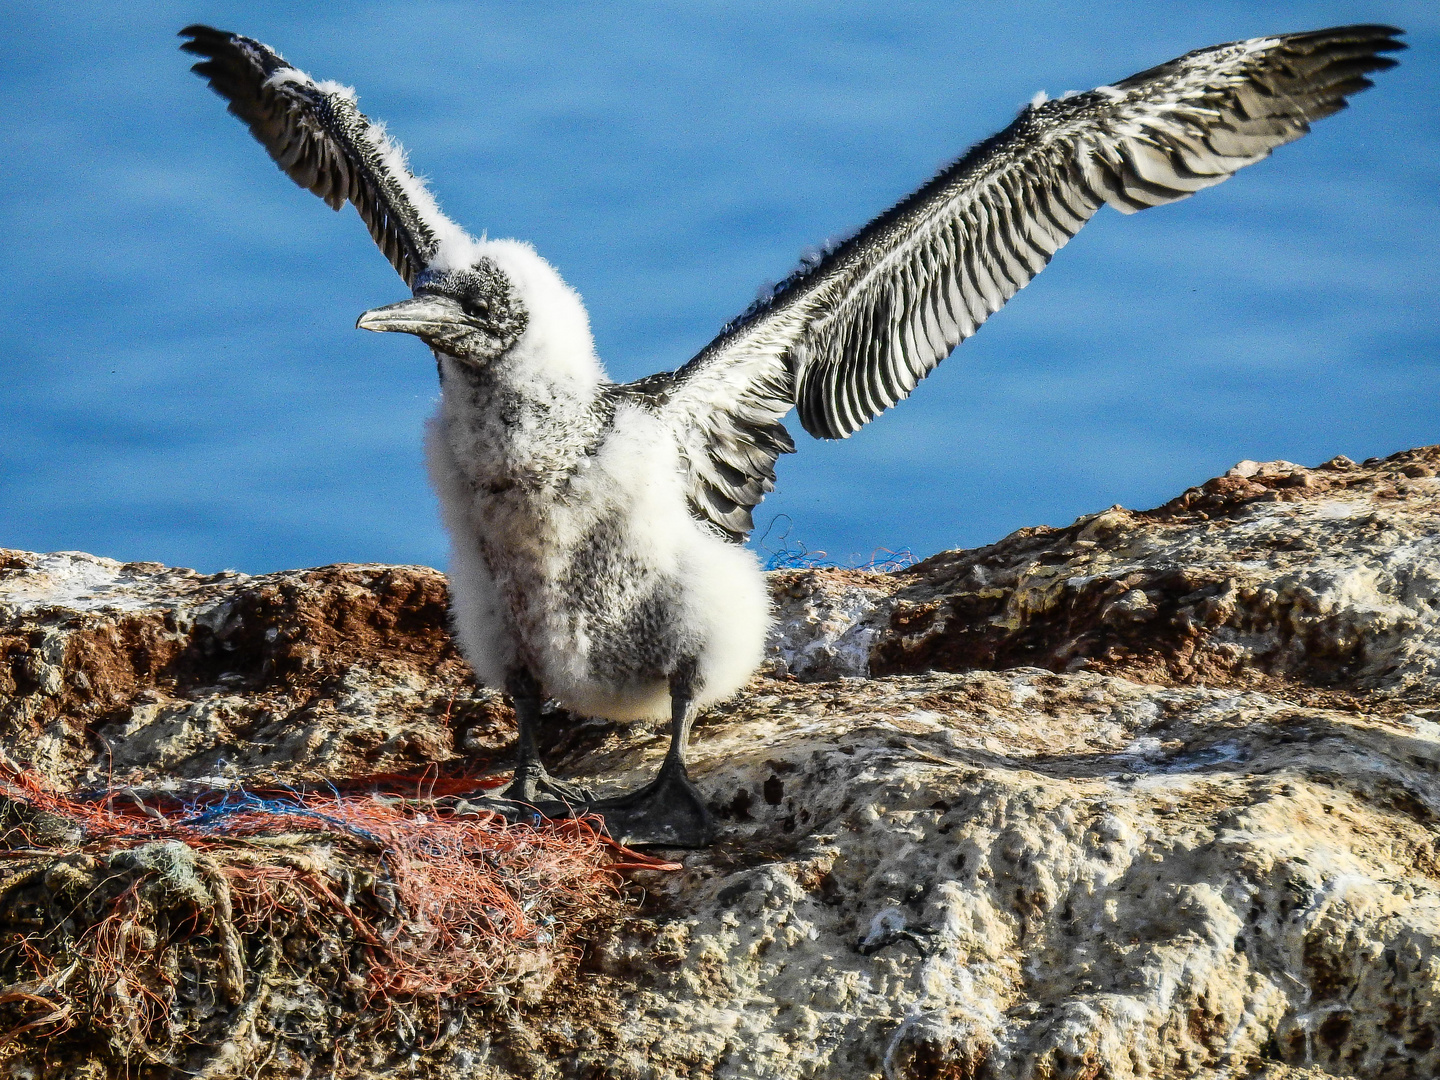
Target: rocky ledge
pixel 1154 795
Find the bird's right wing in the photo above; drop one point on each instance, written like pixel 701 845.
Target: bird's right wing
pixel 323 142
pixel 853 332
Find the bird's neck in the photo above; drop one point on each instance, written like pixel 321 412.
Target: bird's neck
pixel 516 424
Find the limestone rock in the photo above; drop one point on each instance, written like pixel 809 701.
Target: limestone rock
pixel 1154 795
pixel 1273 577
pixel 129 670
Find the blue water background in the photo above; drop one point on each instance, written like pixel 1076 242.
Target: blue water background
pixel 180 379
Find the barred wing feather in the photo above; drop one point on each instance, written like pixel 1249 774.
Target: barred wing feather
pixel 320 139
pixel 852 334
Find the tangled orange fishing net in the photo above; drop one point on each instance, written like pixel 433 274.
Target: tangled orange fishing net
pixel 161 915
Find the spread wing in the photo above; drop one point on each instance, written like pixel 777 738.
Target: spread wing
pixel 322 141
pixel 852 333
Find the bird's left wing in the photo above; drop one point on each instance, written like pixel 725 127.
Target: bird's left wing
pixel 322 141
pixel 853 332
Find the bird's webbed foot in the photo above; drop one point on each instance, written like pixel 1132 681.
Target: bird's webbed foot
pixel 667 812
pixel 535 794
pixel 533 786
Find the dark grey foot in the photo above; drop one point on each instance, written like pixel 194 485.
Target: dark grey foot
pixel 542 787
pixel 667 812
pixel 535 792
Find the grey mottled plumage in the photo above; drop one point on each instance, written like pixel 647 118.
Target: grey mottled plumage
pixel 594 524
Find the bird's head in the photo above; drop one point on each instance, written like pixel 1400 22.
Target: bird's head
pixel 471 314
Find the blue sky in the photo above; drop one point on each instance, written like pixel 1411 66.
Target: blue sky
pixel 181 380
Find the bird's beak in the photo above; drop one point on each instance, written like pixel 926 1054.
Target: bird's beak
pixel 427 316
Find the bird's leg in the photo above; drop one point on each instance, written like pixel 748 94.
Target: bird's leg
pixel 669 811
pixel 532 785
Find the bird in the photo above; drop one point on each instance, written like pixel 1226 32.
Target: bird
pixel 596 527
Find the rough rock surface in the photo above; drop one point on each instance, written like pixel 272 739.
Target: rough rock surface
pixel 1271 576
pixel 1154 795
